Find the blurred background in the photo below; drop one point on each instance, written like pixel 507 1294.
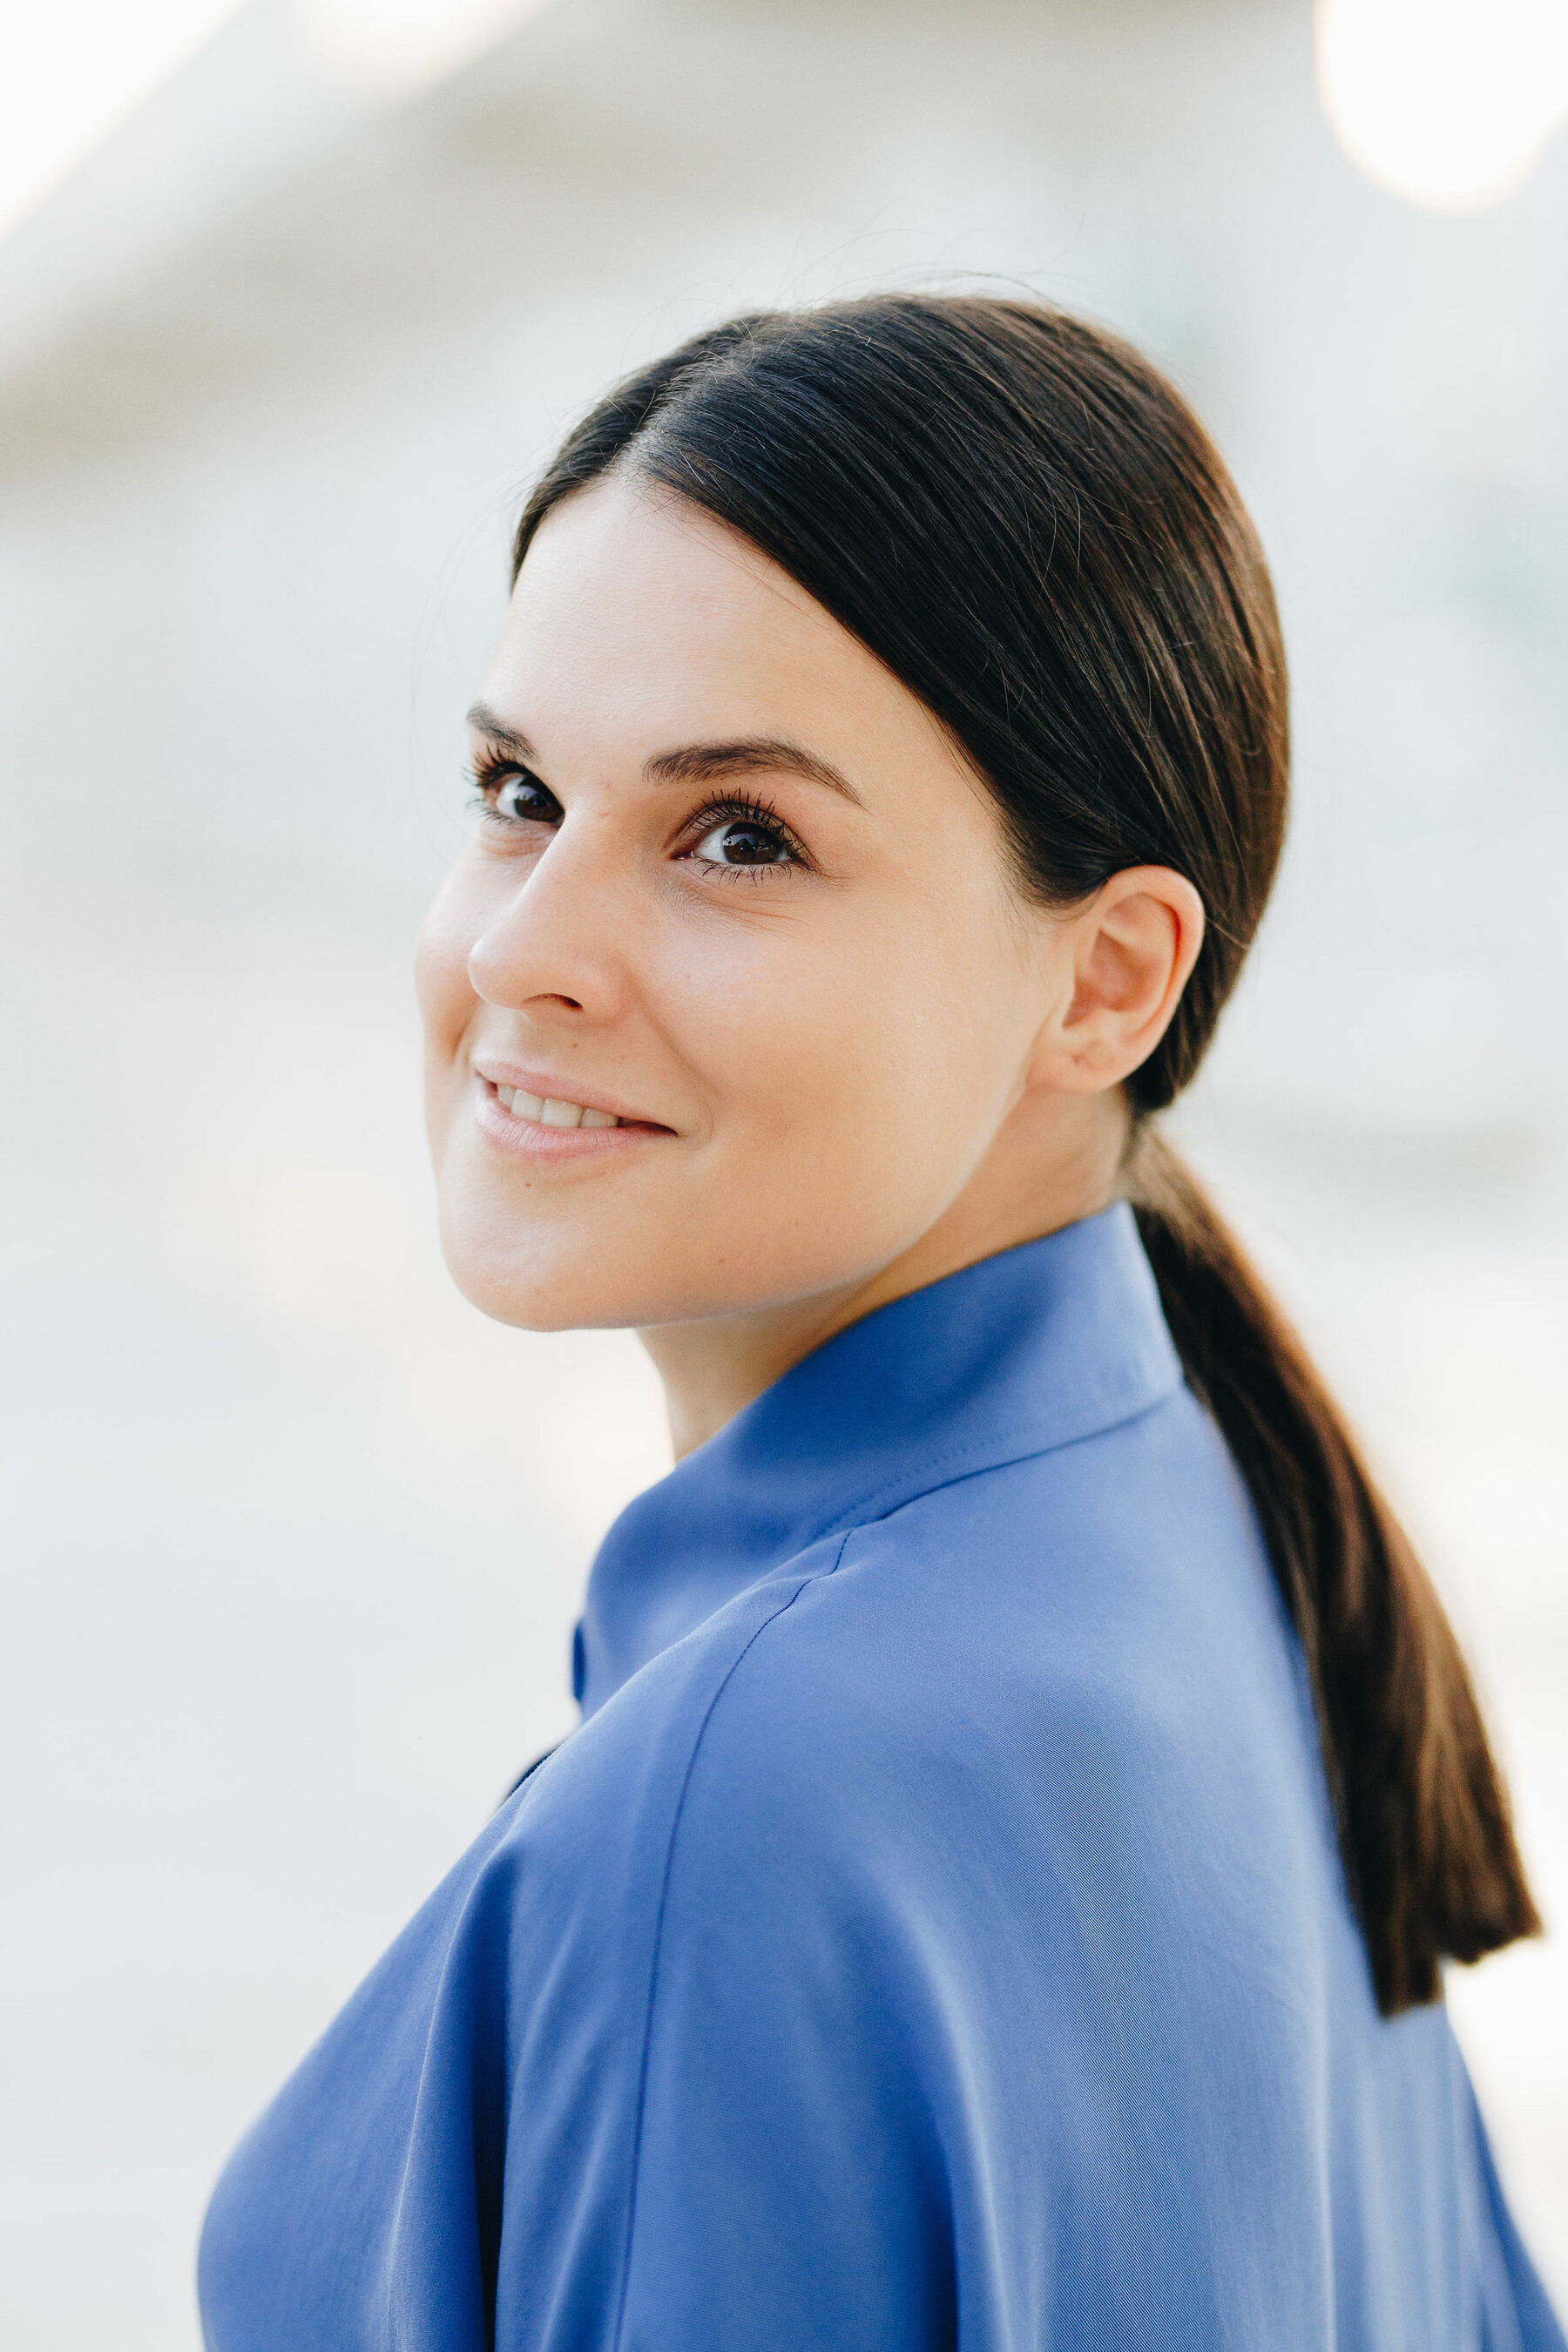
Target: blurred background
pixel 293 299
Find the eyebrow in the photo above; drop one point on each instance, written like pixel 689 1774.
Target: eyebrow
pixel 750 755
pixel 485 721
pixel 700 763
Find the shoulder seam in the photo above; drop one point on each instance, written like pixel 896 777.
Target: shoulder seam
pixel 789 1603
pixel 866 1516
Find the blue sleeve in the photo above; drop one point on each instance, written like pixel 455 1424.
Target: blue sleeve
pixel 789 2190
pixel 715 2138
pixel 760 2017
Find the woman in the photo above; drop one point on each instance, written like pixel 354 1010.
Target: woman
pixel 1026 1786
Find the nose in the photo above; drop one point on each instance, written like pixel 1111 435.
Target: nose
pixel 559 941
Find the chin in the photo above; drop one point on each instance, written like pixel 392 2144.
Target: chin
pixel 628 1264
pixel 535 1282
pixel 555 1294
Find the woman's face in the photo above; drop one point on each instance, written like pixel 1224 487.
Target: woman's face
pixel 730 992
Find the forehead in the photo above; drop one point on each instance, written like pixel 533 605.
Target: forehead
pixel 639 619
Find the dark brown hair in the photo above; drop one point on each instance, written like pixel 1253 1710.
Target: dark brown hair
pixel 1024 520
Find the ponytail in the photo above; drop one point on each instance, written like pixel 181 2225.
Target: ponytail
pixel 1424 1825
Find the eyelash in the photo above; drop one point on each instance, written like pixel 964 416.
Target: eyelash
pixel 744 808
pixel 492 769
pixel 488 773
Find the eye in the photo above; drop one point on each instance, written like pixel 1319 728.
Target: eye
pixel 516 797
pixel 745 841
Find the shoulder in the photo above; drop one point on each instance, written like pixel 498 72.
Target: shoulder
pixel 1107 1579
pixel 1064 1671
pixel 604 1809
pixel 1067 1684
pixel 1105 1582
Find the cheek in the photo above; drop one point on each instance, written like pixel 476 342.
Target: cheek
pixel 868 1060
pixel 443 991
pixel 441 982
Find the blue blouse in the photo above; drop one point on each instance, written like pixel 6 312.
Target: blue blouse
pixel 933 1936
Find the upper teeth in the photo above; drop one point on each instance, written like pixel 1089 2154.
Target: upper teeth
pixel 549 1112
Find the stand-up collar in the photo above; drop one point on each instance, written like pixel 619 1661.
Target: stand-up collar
pixel 1047 1343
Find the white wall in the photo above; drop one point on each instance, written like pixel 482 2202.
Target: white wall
pixel 297 1536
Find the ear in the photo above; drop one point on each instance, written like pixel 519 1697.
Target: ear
pixel 1131 951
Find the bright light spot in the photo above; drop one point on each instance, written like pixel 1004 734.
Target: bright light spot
pixel 1446 102
pixel 74 68
pixel 398 46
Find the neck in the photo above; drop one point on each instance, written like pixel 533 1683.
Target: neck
pixel 1054 1162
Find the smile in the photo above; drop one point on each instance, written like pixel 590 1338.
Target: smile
pixel 547 1131
pixel 545 1110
